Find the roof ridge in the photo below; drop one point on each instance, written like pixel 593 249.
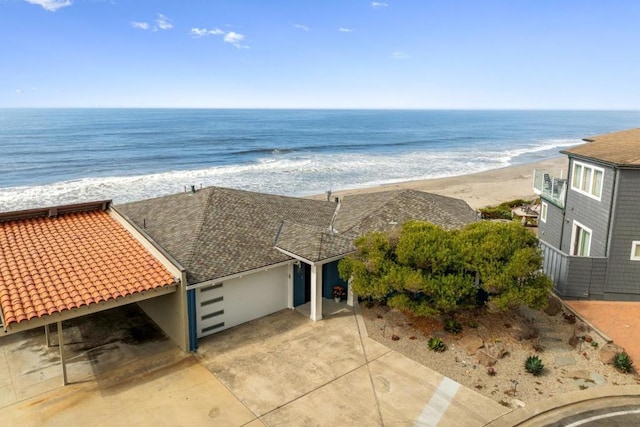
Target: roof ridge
pixel 201 221
pixel 377 207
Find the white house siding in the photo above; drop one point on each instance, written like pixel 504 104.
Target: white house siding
pixel 230 303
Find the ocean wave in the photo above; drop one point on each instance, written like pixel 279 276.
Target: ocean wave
pixel 313 173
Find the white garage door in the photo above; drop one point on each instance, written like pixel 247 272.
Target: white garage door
pixel 240 300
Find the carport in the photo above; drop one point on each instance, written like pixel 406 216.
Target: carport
pixel 66 262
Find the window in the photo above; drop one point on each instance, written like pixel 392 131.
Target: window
pixel 543 212
pixel 580 240
pixel 587 180
pixel 635 250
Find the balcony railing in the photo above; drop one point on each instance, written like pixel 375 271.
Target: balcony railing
pixel 549 187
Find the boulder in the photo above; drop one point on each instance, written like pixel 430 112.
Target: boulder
pixel 471 343
pixel 485 359
pixel 607 352
pixel 554 306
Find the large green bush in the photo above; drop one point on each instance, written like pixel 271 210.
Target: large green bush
pixel 428 270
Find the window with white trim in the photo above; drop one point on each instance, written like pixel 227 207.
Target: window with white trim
pixel 543 211
pixel 635 250
pixel 580 240
pixel 587 179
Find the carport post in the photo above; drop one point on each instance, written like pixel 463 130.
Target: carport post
pixel 46 335
pixel 61 345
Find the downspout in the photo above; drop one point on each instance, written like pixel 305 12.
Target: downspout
pixel 193 324
pixel 612 209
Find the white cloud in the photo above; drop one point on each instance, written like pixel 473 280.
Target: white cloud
pixel 140 25
pixel 346 30
pixel 19 91
pixel 51 5
pixel 201 32
pixel 378 4
pixel 163 22
pixel 398 54
pixel 235 39
pixel 301 27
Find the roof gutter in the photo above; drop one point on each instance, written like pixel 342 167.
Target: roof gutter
pixel 237 275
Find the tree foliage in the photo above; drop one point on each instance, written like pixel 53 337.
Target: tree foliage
pixel 428 270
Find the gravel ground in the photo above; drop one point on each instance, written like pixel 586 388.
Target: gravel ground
pixel 567 368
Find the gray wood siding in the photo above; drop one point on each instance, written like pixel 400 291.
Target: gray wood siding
pixel 551 230
pixel 590 212
pixel 575 277
pixel 623 273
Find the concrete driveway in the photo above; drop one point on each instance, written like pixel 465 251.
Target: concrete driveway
pixel 288 370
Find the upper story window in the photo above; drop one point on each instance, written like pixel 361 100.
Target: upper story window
pixel 543 211
pixel 587 179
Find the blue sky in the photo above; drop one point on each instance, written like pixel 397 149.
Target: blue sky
pixel 547 54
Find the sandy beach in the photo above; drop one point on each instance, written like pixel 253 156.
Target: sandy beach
pixel 479 189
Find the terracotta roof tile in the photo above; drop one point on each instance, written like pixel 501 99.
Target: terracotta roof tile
pixel 49 265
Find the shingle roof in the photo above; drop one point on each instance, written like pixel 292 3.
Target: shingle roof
pixel 52 264
pixel 618 148
pixel 217 232
pixel 362 213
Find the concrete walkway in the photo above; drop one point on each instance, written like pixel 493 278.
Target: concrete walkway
pixel 287 370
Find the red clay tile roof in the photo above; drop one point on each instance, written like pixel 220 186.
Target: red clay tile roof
pixel 48 265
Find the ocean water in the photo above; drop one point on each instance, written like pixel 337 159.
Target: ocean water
pixel 59 156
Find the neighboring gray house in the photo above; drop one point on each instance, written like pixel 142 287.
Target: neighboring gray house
pixel 247 255
pixel 589 224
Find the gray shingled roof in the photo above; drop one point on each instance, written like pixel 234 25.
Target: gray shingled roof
pixel 619 148
pixel 217 232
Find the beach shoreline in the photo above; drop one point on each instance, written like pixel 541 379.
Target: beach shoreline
pixel 478 189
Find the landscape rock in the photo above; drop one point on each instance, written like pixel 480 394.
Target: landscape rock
pixel 607 352
pixel 554 306
pixel 582 327
pixel 485 359
pixel 471 343
pixel 523 332
pixel 574 340
pixel 497 350
pixel 579 375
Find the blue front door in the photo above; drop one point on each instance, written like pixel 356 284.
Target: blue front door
pixel 301 284
pixel 331 278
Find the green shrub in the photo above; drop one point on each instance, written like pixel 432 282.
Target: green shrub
pixel 534 365
pixel 436 344
pixel 452 326
pixel 622 362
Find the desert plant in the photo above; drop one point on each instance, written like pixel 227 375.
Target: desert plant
pixel 622 362
pixel 436 344
pixel 473 324
pixel 452 326
pixel 534 365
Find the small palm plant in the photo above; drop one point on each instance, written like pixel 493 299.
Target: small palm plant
pixel 436 344
pixel 622 362
pixel 534 365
